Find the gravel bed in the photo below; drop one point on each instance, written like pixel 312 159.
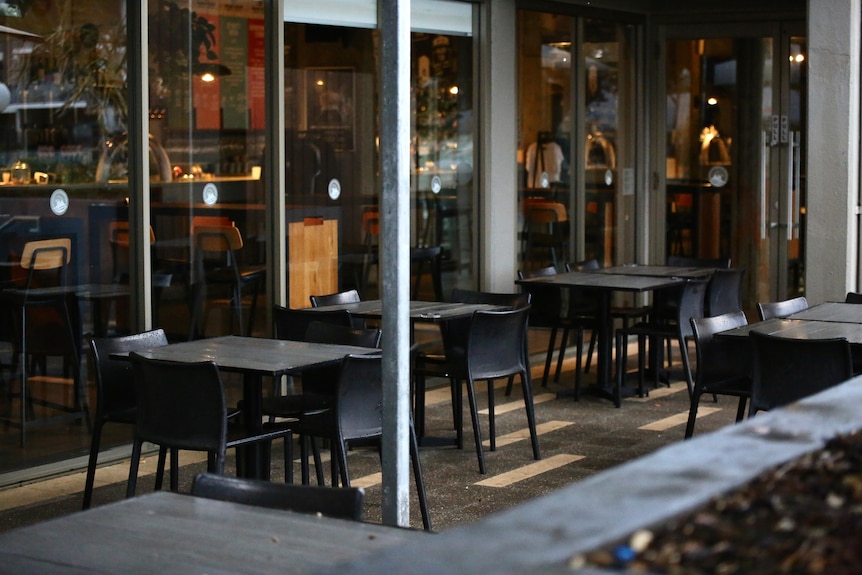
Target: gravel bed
pixel 803 517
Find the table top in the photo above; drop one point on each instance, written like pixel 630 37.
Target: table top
pixel 607 281
pixel 658 271
pixel 800 329
pixel 419 310
pixel 254 355
pixel 169 533
pixel 833 312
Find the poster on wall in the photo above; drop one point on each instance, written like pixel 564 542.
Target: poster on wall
pixel 234 54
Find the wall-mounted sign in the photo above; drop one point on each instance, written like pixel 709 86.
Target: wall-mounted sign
pixel 59 202
pixel 334 189
pixel 210 194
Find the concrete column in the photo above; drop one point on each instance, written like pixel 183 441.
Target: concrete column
pixel 498 201
pixel 832 238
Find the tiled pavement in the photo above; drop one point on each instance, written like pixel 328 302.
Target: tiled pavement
pixel 577 439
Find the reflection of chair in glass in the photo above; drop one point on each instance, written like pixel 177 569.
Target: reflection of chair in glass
pixel 786 369
pixel 220 277
pixel 419 258
pixel 362 258
pixel 343 503
pixel 784 308
pixel 46 325
pixel 182 406
pixel 723 364
pixel 357 416
pixel 115 393
pixel 118 239
pixel 545 233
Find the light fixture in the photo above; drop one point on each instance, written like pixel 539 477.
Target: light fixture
pixel 453 90
pixel 209 71
pixel 712 101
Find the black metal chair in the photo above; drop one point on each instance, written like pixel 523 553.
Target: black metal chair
pixel 356 415
pixel 115 393
pixel 786 370
pixel 689 305
pixel 724 292
pixel 342 503
pixel 723 364
pixel 182 406
pixel 784 308
pixel 853 297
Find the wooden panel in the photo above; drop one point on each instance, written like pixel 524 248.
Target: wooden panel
pixel 313 256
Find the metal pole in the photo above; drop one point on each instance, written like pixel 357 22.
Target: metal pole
pixel 394 25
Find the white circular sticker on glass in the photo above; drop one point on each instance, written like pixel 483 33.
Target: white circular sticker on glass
pixel 59 202
pixel 718 176
pixel 436 184
pixel 544 180
pixel 609 177
pixel 334 189
pixel 210 194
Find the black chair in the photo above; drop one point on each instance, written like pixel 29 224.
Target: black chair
pixel 689 305
pixel 454 335
pixel 182 406
pixel 115 393
pixel 724 292
pixel 546 231
pixel 784 308
pixel 356 415
pixel 348 296
pixel 292 324
pixel 318 386
pixel 723 364
pixel 218 268
pixel 546 312
pixel 341 503
pixel 495 348
pixel 786 369
pixel 853 297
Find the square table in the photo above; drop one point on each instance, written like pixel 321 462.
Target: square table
pixel 169 533
pixel 833 312
pixel 254 358
pixel 435 311
pixel 603 285
pixel 800 329
pixel 658 271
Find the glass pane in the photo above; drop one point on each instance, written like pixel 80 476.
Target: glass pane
pixel 207 125
pixel 545 79
pixel 62 99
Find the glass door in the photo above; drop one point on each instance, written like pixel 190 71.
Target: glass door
pixel 734 164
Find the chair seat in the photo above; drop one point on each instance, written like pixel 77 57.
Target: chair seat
pixel 296 405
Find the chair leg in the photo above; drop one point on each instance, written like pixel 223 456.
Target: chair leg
pixel 561 356
pixel 160 468
pixel 420 482
pixel 531 412
pixel 692 415
pixel 477 430
pixel 288 459
pixel 492 428
pixel 549 357
pixel 133 468
pixel 91 464
pixel 580 350
pixel 175 469
pixel 593 338
pixel 419 403
pixel 686 367
pixel 340 459
pixel 740 409
pixel 621 366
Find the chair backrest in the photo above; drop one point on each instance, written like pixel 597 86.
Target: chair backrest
pixel 218 238
pixel 853 297
pixel 720 359
pixel 46 254
pixel 115 390
pixel 724 292
pixel 690 262
pixel 359 397
pixel 339 502
pixel 690 305
pixel 180 405
pixel 349 296
pixel 584 265
pixel 496 343
pixel 546 301
pixel 323 332
pixel 292 324
pixel 785 370
pixel 769 310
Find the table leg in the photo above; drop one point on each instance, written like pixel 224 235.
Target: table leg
pixel 253 460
